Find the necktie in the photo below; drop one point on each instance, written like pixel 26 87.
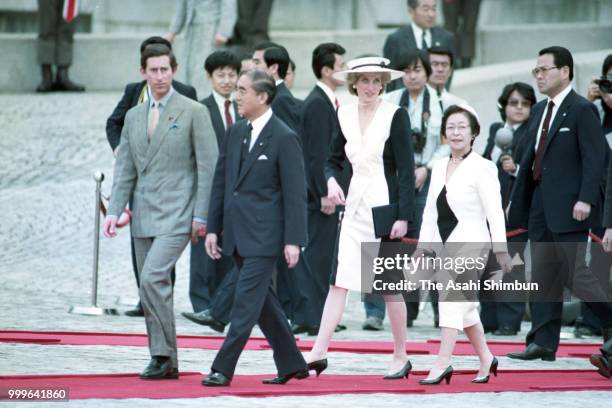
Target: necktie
pixel 246 144
pixel 537 165
pixel 337 103
pixel 440 100
pixel 153 119
pixel 228 116
pixel 423 42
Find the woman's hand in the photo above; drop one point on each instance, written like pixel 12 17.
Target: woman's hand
pixel 508 164
pixel 504 260
pixel 334 192
pixel 399 229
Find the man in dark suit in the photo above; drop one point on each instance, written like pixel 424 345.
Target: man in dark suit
pixel 206 274
pixel 258 210
pixel 557 195
pixel 134 94
pixel 420 33
pixel 319 124
pixel 252 25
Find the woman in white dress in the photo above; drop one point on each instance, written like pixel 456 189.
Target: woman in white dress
pixel 375 138
pixel 464 194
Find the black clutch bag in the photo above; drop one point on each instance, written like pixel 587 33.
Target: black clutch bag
pixel 384 216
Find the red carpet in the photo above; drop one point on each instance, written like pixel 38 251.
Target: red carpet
pixel 463 347
pixel 120 386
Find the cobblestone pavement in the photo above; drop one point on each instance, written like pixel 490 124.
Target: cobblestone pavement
pixel 49 149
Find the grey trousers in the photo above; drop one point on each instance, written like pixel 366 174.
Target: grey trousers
pixel 55 35
pixel 156 258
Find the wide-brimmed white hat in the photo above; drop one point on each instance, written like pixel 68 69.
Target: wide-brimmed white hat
pixel 368 65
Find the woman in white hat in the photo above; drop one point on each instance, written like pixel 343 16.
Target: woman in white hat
pixel 463 218
pixel 375 138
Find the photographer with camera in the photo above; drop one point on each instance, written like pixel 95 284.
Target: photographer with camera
pixel 506 145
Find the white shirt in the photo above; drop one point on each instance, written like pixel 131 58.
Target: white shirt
pixel 279 81
pixel 418 35
pixel 557 100
pixel 161 103
pixel 258 125
pixel 328 91
pixel 220 101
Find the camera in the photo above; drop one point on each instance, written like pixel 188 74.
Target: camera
pixel 605 83
pixel 418 140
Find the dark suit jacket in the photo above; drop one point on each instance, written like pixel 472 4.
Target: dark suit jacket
pixel 216 118
pixel 114 123
pixel 607 220
pixel 572 166
pixel 518 148
pixel 286 107
pixel 402 40
pixel 262 207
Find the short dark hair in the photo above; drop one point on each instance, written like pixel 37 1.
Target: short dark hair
pixel 156 39
pixel 525 90
pixel 222 59
pixel 562 57
pixel 438 50
pixel 292 65
pixel 277 55
pixel 413 4
pixel 262 82
pixel 324 55
pixel 607 64
pixel 474 125
pixel 411 58
pixel 265 45
pixel 157 50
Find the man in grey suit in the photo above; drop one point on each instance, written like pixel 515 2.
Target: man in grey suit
pixel 420 33
pixel 166 159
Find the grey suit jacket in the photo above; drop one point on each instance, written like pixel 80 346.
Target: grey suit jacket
pixel 171 177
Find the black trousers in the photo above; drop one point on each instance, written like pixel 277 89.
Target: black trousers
pixel 205 276
pixel 295 290
pixel 55 35
pixel 556 265
pixel 256 303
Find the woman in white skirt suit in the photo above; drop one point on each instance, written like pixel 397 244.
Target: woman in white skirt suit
pixel 463 196
pixel 375 138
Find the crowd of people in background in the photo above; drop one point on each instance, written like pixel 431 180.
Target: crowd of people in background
pixel 275 195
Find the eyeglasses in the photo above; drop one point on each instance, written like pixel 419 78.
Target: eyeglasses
pixel 544 70
pixel 454 129
pixel 515 103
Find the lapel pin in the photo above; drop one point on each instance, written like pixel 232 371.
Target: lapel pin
pixel 564 113
pixel 261 143
pixel 244 141
pixel 170 118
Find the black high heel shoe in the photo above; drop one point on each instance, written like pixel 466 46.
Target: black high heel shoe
pixel 446 375
pixel 404 372
pixel 319 366
pixel 300 375
pixel 492 369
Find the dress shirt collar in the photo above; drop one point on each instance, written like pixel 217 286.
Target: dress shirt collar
pixel 258 125
pixel 558 100
pixel 418 34
pixel 279 81
pixel 163 101
pixel 328 91
pixel 220 99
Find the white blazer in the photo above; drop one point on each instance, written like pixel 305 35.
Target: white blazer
pixel 473 193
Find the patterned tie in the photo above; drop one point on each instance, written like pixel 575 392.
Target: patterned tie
pixel 537 165
pixel 423 42
pixel 153 120
pixel 228 116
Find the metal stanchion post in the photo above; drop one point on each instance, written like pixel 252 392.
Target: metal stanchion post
pixel 94 310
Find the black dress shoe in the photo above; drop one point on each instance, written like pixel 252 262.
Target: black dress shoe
pixel 136 312
pixel 216 379
pixel 339 328
pixel 303 328
pixel 205 319
pixel 446 375
pixel 403 373
pixel 301 374
pixel 160 368
pixel 603 364
pixel 534 352
pixel 505 331
pixel 319 366
pixel 492 369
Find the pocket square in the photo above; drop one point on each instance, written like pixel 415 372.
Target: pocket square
pixel 565 129
pixel 262 157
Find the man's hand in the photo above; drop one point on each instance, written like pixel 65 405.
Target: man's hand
pixel 504 260
pixel 399 229
pixel 420 177
pixel 292 255
pixel 212 249
pixel 220 39
pixel 110 226
pixel 581 211
pixel 170 37
pixel 607 240
pixel 327 207
pixel 508 164
pixel 334 192
pixel 198 229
